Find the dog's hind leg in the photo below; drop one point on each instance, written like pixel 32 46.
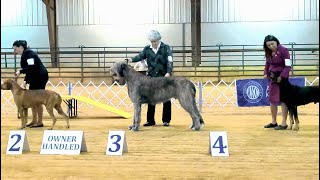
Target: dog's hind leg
pixel 136 118
pixel 54 120
pixel 296 119
pixel 199 115
pixel 60 111
pixel 188 104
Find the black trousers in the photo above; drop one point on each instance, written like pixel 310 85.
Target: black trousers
pixel 39 83
pixel 166 112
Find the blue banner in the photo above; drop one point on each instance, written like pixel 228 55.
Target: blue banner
pixel 254 92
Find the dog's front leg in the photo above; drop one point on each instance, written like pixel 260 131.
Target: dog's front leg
pixel 23 118
pixel 25 110
pixel 296 127
pixel 291 119
pixel 296 119
pixel 136 118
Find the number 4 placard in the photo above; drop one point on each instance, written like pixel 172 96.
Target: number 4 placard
pixel 117 143
pixel 17 142
pixel 218 144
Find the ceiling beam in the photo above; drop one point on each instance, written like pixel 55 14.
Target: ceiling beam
pixel 196 32
pixel 52 30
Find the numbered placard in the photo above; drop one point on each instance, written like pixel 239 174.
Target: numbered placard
pixel 17 142
pixel 218 145
pixel 117 143
pixel 63 142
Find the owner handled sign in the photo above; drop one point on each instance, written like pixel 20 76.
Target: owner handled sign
pixel 254 92
pixel 63 142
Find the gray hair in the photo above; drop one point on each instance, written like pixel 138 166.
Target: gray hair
pixel 154 35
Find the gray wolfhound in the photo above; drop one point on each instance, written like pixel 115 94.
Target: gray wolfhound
pixel 152 90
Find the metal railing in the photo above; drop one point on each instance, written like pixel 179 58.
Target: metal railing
pixel 209 94
pixel 217 61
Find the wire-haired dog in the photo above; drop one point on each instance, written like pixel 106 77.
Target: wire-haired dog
pixel 25 99
pixel 294 96
pixel 152 90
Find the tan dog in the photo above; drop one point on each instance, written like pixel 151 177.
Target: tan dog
pixel 25 99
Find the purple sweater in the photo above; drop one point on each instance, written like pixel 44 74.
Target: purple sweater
pixel 277 62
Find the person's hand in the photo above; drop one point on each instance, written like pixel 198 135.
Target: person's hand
pixel 265 76
pixel 17 73
pixel 128 60
pixel 24 85
pixel 167 75
pixel 279 79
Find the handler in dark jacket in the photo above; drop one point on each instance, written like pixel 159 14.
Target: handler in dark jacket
pixel 159 61
pixel 36 75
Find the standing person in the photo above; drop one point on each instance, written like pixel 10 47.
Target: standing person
pixel 159 61
pixel 277 60
pixel 36 76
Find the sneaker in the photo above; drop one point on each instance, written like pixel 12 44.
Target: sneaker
pixel 280 127
pixel 270 125
pixel 166 124
pixel 149 124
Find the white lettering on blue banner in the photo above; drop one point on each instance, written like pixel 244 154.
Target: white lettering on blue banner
pixel 255 92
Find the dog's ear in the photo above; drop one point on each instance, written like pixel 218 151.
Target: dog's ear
pixel 270 75
pixel 7 84
pixel 123 67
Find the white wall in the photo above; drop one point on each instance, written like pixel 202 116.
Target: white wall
pixel 36 36
pixel 136 35
pixel 116 35
pixel 254 32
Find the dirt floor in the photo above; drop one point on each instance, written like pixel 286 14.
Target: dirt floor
pixel 173 152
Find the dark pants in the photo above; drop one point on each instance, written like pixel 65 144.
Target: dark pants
pixel 39 83
pixel 166 112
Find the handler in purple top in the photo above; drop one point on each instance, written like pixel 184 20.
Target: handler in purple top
pixel 277 60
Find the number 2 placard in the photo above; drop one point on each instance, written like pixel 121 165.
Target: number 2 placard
pixel 117 143
pixel 218 144
pixel 17 142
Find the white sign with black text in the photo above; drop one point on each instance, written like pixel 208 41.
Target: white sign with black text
pixel 218 143
pixel 63 142
pixel 17 142
pixel 117 143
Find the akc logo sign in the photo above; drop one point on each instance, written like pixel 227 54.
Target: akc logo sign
pixel 252 92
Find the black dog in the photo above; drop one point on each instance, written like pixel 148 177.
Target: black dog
pixel 294 96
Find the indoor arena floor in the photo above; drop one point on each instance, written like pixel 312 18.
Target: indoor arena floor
pixel 173 152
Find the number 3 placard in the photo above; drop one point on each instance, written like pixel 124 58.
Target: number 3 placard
pixel 117 143
pixel 218 144
pixel 17 142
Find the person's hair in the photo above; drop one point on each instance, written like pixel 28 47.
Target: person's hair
pixel 22 43
pixel 154 35
pixel 267 51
